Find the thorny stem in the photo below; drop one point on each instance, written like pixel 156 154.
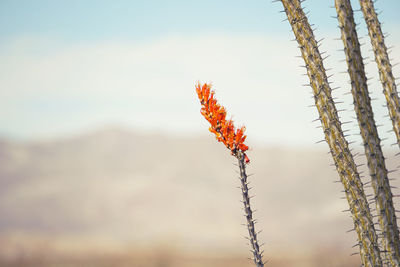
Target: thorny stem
pixel 248 212
pixel 369 133
pixel 385 68
pixel 344 162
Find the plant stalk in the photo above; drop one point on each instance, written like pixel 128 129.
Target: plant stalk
pixel 385 68
pixel 344 162
pixel 257 255
pixel 369 133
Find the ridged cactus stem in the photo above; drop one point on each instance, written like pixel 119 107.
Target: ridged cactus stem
pixel 257 254
pixel 344 162
pixel 383 62
pixel 369 133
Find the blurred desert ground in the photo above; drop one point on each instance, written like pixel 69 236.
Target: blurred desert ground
pixel 116 197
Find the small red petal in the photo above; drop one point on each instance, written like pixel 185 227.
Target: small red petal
pixel 246 159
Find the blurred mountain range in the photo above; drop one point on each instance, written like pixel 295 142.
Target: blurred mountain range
pixel 114 187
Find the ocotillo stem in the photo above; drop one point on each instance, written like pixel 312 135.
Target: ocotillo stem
pixel 248 212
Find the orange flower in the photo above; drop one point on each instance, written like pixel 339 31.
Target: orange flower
pixel 223 129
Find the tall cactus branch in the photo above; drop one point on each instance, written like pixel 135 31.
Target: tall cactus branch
pixel 383 62
pixel 369 133
pixel 344 162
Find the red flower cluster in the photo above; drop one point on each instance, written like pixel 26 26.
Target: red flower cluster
pixel 223 129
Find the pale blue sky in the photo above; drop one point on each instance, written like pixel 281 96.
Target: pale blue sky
pixel 77 20
pixel 72 66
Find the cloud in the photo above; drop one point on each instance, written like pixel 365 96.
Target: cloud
pixel 52 88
